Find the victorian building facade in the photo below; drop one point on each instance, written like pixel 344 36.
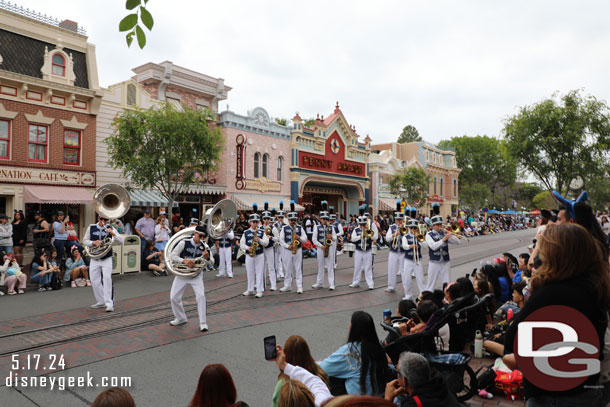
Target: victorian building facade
pixel 255 166
pixel 49 101
pixel 153 84
pixel 329 163
pixel 440 165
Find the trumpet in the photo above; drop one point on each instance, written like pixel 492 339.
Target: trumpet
pixel 368 232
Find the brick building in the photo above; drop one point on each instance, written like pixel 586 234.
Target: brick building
pixel 49 100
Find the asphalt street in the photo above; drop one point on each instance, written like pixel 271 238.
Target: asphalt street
pixel 167 375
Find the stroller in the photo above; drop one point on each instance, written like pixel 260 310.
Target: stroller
pixel 459 376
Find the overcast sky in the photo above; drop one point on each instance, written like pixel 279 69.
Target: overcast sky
pixel 447 67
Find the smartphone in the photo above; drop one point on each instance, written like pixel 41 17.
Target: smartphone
pixel 270 350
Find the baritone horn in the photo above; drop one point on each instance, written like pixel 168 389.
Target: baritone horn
pixel 457 231
pixel 110 201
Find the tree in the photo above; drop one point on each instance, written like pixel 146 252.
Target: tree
pixel 165 148
pixel 475 196
pixel 599 192
pixel 409 134
pixel 131 24
pixel 281 121
pixel 410 185
pixel 483 160
pixel 561 138
pixel 309 122
pixel 544 200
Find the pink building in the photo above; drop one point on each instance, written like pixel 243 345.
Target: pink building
pixel 256 161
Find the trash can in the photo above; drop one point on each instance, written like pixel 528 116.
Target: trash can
pixel 117 256
pixel 131 254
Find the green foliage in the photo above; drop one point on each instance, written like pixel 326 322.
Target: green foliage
pixel 164 148
pixel 475 196
pixel 483 160
pixel 411 185
pixel 309 122
pixel 599 192
pixel 409 134
pixel 281 121
pixel 560 138
pixel 130 22
pixel 544 200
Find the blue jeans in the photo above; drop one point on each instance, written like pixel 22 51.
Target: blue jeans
pixel 6 249
pixel 64 245
pixel 42 280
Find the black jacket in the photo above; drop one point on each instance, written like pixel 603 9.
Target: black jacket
pixel 432 394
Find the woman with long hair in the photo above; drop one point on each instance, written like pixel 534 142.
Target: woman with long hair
pixel 20 233
pixel 215 389
pixel 572 272
pixel 361 361
pixel 297 353
pixel 114 397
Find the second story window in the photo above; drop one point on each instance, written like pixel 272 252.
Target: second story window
pixel 257 160
pixel 37 143
pixel 434 185
pixel 72 147
pixel 5 139
pixel 59 65
pixel 265 165
pixel 441 194
pixel 280 167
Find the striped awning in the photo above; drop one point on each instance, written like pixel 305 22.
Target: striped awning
pixel 143 197
pixel 386 204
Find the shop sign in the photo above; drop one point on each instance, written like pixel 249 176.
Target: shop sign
pixel 263 185
pixel 322 163
pixel 239 162
pixel 46 176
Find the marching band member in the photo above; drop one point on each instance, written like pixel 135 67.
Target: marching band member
pixel 225 253
pixel 363 256
pixel 255 259
pixel 269 251
pixel 320 234
pixel 186 252
pixel 100 270
pixel 393 239
pixel 338 231
pixel 279 223
pixel 292 259
pixel 413 250
pixel 438 243
pixel 373 225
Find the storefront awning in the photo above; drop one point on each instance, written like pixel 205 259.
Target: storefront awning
pixel 47 194
pixel 143 197
pixel 386 204
pixel 244 203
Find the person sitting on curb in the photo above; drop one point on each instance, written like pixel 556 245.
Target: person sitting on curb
pixel 13 274
pixel 416 386
pixel 76 268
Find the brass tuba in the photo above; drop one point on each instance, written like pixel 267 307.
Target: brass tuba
pixel 110 201
pixel 220 220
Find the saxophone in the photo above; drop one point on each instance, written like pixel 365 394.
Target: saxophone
pixel 295 240
pixel 254 245
pixel 327 243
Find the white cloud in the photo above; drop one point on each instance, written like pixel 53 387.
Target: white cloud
pixel 449 68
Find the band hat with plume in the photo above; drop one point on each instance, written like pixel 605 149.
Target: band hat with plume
pixel 398 214
pixel 292 215
pixel 436 220
pixel 254 216
pixel 413 224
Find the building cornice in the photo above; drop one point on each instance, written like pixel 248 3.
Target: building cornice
pixel 30 80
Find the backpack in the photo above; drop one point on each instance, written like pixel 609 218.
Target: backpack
pixel 56 283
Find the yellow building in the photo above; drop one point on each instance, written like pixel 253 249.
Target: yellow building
pixel 440 165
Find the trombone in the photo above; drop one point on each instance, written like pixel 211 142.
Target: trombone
pixel 457 231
